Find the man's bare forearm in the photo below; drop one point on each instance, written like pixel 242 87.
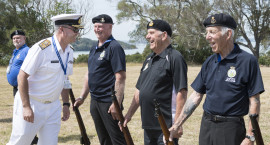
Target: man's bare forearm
pixel 254 108
pixel 85 89
pixel 180 102
pixel 191 104
pixel 65 95
pixel 120 85
pixel 23 88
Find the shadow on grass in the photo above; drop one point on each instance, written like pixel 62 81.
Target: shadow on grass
pixel 6 120
pixel 65 139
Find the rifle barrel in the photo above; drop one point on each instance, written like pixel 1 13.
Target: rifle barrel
pixel 125 130
pixel 85 140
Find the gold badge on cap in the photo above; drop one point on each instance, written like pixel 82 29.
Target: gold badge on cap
pixel 80 21
pixel 151 23
pixel 102 20
pixel 213 20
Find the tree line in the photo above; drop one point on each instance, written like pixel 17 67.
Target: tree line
pixel 185 17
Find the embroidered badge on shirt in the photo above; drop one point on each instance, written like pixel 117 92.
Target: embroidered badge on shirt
pixel 101 55
pixel 18 56
pixel 71 47
pixel 231 74
pixel 145 67
pixel 45 44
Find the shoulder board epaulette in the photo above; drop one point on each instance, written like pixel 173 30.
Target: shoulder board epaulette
pixel 44 44
pixel 71 47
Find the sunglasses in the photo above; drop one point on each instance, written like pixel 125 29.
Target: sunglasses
pixel 75 30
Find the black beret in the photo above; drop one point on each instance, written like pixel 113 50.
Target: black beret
pixel 160 25
pixel 17 32
pixel 220 20
pixel 103 18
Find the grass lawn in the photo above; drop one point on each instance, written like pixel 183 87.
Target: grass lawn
pixel 70 133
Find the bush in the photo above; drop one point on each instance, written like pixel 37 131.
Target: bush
pixel 136 58
pixel 264 60
pixel 82 58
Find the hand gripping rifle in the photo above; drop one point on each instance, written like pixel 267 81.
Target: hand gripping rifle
pixel 84 138
pixel 162 123
pixel 256 129
pixel 121 119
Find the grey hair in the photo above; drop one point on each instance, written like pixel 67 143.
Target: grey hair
pixel 56 28
pixel 225 29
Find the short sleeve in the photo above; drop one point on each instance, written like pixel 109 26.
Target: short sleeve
pixel 118 58
pixel 33 60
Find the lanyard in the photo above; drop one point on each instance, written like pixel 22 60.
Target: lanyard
pixel 109 40
pixel 58 55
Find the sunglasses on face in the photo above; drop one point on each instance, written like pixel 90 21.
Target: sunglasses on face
pixel 75 30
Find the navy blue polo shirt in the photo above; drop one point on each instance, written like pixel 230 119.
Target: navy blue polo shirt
pixel 160 74
pixel 103 63
pixel 229 83
pixel 15 64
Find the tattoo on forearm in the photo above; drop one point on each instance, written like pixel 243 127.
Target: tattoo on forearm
pixel 189 109
pixel 257 100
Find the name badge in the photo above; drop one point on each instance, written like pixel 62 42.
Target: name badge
pixel 67 84
pixel 55 61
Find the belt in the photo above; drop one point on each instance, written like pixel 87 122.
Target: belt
pixel 219 118
pixel 43 101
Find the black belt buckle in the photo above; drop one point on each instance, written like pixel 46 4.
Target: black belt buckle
pixel 218 118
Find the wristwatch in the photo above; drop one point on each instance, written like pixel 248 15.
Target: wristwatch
pixel 67 104
pixel 251 138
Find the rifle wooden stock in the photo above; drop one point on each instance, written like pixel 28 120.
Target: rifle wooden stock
pixel 84 138
pixel 125 130
pixel 162 123
pixel 256 129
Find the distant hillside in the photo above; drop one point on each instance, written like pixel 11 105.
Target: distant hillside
pixel 84 44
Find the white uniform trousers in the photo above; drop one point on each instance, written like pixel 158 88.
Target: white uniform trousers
pixel 47 123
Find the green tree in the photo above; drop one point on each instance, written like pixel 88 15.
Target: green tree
pixel 185 17
pixel 253 20
pixel 32 16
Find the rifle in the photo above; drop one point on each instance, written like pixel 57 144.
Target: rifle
pixel 121 119
pixel 162 123
pixel 256 129
pixel 84 138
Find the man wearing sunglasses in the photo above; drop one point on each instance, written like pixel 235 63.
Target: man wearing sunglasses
pixel 42 78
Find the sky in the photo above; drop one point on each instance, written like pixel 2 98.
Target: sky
pixel 120 31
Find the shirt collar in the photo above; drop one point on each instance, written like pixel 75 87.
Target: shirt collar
pixel 20 47
pixel 111 38
pixel 232 54
pixel 59 48
pixel 164 53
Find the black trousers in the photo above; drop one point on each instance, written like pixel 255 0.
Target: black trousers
pixel 222 132
pixel 155 137
pixel 15 89
pixel 107 129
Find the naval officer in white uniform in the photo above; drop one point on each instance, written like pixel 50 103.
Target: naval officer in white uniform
pixel 43 77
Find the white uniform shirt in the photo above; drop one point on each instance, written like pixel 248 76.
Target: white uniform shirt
pixel 46 80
